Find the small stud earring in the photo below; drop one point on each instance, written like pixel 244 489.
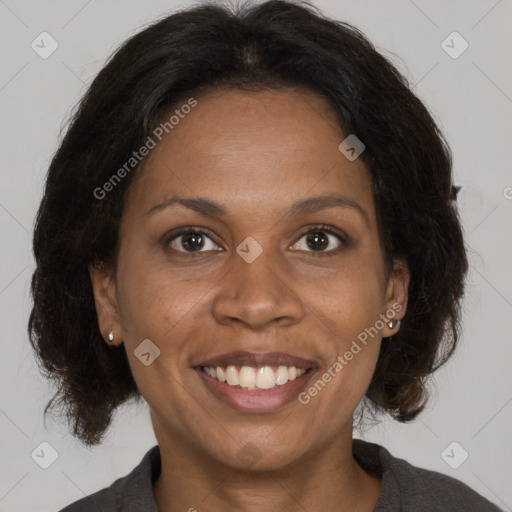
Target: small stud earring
pixel 392 323
pixel 111 336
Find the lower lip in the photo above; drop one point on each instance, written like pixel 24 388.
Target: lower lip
pixel 264 400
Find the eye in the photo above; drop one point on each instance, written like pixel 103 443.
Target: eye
pixel 191 240
pixel 320 238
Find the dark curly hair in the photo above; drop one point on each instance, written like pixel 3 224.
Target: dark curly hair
pixel 275 44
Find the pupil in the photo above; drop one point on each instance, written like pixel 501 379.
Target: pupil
pixel 192 241
pixel 317 236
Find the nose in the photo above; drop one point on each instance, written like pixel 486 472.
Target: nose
pixel 258 295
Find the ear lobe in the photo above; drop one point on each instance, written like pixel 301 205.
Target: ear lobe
pixel 107 311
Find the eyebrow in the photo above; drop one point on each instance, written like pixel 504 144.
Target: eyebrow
pixel 310 205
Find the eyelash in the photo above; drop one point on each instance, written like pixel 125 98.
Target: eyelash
pixel 323 228
pixel 320 227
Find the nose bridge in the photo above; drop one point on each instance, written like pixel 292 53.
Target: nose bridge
pixel 256 291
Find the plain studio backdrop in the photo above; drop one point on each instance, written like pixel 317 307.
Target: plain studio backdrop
pixel 466 430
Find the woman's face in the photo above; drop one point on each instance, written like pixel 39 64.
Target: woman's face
pixel 254 278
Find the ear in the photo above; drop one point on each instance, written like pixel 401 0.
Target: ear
pixel 396 296
pixel 105 300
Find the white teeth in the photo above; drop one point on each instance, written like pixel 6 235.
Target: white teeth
pixel 263 377
pixel 232 376
pixel 247 377
pixel 281 375
pixel 221 374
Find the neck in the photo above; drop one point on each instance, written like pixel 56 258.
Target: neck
pixel 325 480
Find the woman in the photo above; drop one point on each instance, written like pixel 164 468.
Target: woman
pixel 250 224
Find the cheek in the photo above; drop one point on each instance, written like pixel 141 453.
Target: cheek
pixel 157 309
pixel 346 311
pixel 168 308
pixel 346 301
pixel 154 297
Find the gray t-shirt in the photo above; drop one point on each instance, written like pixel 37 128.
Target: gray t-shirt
pixel 405 488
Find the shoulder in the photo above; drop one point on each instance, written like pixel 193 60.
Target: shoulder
pixel 438 491
pixel 104 500
pixel 130 493
pixel 420 489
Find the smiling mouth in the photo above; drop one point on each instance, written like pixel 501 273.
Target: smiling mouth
pixel 251 378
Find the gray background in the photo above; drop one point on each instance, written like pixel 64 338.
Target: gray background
pixel 470 97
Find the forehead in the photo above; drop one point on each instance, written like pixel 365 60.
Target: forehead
pixel 252 149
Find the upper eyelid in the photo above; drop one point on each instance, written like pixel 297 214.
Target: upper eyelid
pixel 342 237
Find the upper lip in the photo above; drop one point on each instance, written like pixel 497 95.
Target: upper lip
pixel 242 358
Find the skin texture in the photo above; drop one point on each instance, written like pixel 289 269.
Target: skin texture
pixel 257 153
